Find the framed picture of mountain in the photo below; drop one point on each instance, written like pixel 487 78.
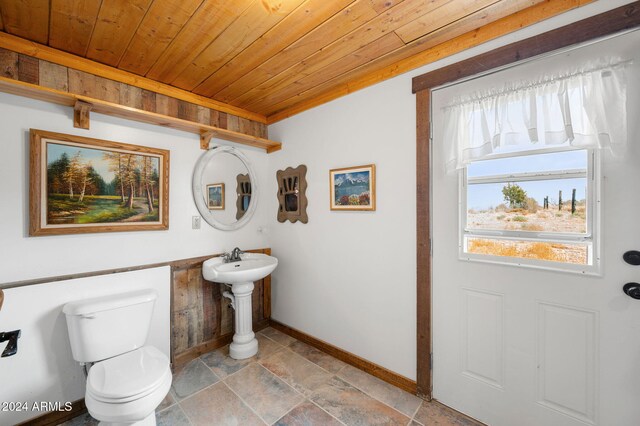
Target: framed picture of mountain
pixel 83 185
pixel 353 188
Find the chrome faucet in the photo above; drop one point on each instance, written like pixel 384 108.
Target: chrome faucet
pixel 235 255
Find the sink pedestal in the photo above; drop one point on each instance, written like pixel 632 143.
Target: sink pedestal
pixel 244 343
pixel 240 275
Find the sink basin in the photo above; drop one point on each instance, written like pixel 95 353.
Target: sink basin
pixel 239 277
pixel 252 267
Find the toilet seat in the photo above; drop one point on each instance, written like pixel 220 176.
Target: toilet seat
pixel 139 412
pixel 128 377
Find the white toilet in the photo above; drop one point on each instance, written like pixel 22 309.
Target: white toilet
pixel 127 380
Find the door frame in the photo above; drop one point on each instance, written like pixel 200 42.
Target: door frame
pixel 608 23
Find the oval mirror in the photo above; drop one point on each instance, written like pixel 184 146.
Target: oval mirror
pixel 225 188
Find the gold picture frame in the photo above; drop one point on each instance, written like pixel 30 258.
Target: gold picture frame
pixel 215 196
pixel 83 185
pixel 353 188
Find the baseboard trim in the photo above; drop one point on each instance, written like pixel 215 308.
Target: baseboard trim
pixel 376 370
pixel 53 418
pixel 182 359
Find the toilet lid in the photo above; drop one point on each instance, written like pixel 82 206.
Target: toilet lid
pixel 135 373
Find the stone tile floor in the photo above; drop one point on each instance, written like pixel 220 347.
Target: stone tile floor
pixel 288 383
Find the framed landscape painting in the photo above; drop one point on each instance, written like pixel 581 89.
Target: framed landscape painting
pixel 215 196
pixel 353 188
pixel 82 185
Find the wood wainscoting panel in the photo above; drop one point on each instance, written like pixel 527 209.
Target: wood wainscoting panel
pixel 201 318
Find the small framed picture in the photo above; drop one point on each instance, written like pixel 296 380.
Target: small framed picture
pixel 353 188
pixel 215 196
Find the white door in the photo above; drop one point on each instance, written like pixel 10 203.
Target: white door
pixel 525 346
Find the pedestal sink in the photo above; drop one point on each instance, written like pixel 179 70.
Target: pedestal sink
pixel 240 276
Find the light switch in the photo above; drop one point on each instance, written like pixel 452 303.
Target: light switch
pixel 195 222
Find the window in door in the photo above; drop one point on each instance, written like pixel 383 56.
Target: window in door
pixel 537 210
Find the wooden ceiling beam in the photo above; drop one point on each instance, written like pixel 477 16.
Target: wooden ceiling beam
pixel 337 26
pixel 26 18
pixel 243 31
pixel 293 27
pixel 446 14
pixel 253 58
pixel 394 18
pixel 420 53
pixel 160 26
pixel 71 24
pixel 195 36
pixel 20 45
pixel 306 80
pixel 114 29
pixel 607 23
pixel 385 44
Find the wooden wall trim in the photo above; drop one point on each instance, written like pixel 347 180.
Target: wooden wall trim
pixel 40 51
pixel 351 359
pixel 122 111
pixel 38 79
pixel 56 278
pixel 56 417
pixel 179 361
pixel 423 239
pixel 266 282
pixel 604 24
pixel 173 263
pixel 601 25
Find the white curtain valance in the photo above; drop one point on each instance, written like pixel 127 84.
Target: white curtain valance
pixel 584 109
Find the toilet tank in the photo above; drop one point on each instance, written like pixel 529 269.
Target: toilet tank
pixel 103 327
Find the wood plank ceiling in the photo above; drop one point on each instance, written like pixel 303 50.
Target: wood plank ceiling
pixel 266 56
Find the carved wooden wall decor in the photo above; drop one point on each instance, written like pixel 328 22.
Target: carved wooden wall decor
pixel 292 194
pixel 243 189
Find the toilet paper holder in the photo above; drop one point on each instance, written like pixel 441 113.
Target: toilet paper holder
pixel 12 346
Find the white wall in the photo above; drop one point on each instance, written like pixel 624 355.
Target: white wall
pixel 44 369
pixel 336 278
pixel 23 257
pixel 350 278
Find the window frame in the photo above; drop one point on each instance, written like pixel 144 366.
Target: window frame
pixel 591 236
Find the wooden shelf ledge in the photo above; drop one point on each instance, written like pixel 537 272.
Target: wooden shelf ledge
pixel 84 104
